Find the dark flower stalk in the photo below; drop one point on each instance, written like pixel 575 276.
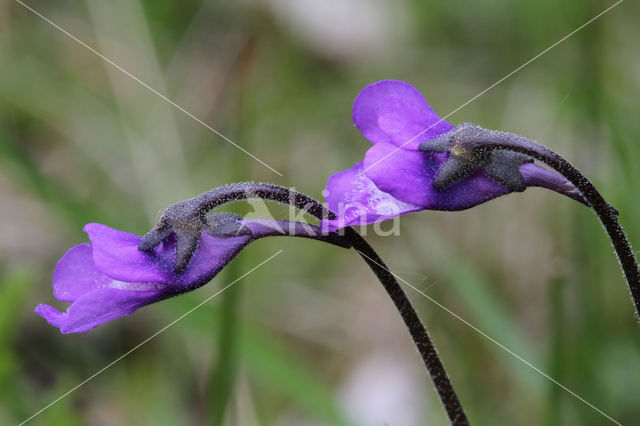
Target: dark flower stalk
pixel 471 147
pixel 195 210
pixel 417 330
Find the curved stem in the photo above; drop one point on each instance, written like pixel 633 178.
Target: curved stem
pixel 266 191
pixel 417 330
pixel 608 215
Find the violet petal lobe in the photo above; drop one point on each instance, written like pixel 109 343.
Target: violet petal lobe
pixel 96 297
pixel 116 253
pixel 395 112
pixel 356 200
pixel 75 274
pixel 97 307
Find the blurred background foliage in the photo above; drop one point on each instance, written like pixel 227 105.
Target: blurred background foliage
pixel 311 338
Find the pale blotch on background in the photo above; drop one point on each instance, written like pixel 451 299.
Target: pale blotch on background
pixel 343 29
pixel 384 389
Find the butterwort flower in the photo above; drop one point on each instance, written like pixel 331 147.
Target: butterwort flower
pixel 403 173
pixel 110 277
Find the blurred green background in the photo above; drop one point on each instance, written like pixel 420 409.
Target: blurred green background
pixel 311 338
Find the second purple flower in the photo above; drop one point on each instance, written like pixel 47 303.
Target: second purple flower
pixel 395 177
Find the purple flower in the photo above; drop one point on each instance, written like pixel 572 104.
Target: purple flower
pixel 109 277
pixel 397 178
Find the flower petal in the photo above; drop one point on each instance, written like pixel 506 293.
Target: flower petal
pixel 97 307
pixel 357 200
pixel 76 274
pixel 116 254
pixel 395 112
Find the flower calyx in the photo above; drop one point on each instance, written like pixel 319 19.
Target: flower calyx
pixel 471 149
pixel 188 219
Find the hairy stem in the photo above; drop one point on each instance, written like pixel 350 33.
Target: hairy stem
pixel 608 216
pixel 266 191
pixel 417 330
